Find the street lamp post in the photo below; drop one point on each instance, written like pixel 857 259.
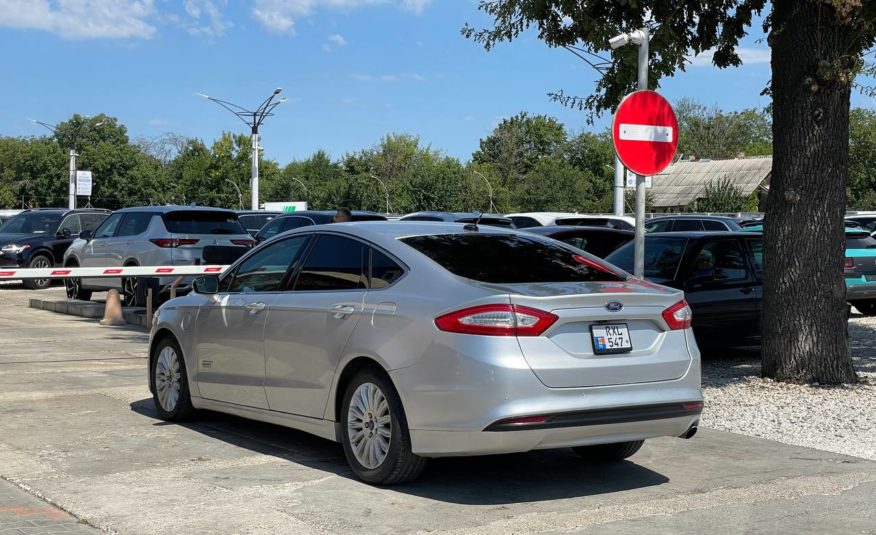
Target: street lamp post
pixel 385 189
pixel 71 197
pixel 490 188
pixel 639 37
pixel 303 186
pixel 239 193
pixel 253 119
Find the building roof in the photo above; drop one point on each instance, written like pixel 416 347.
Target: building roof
pixel 684 181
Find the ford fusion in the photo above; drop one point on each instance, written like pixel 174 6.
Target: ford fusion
pixel 407 341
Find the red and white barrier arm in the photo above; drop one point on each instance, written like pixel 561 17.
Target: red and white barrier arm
pixel 106 272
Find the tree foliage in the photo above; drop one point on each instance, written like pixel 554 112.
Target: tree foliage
pixel 720 195
pixel 712 133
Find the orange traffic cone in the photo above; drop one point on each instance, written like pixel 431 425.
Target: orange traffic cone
pixel 112 311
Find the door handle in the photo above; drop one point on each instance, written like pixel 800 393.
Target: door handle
pixel 747 290
pixel 342 311
pixel 255 307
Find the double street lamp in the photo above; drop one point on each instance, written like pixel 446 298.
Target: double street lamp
pixel 253 119
pixel 71 201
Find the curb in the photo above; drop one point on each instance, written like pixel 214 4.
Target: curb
pixel 135 316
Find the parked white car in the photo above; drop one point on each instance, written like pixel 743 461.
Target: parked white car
pixel 544 219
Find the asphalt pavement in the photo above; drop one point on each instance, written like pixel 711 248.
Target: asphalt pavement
pixel 80 440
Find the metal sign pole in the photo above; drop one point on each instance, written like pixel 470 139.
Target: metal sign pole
pixel 641 192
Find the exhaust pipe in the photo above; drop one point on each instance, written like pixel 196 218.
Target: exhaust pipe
pixel 692 430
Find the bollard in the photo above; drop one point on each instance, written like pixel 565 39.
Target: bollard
pixel 112 312
pixel 148 309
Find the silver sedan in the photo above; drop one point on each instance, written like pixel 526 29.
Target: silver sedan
pixel 405 341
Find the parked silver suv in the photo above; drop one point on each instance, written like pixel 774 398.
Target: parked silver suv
pixel 150 236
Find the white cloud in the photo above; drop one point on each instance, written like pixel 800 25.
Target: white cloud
pixel 157 121
pixel 415 6
pixel 205 18
pixel 337 39
pixel 749 56
pixel 280 15
pixel 81 19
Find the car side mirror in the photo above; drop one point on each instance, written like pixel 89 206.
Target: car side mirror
pixel 84 235
pixel 206 285
pixel 64 233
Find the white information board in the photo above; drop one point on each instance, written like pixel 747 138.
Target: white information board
pixel 83 183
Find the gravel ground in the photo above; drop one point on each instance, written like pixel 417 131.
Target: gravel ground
pixel 841 419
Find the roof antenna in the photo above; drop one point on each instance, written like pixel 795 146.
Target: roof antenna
pixel 474 226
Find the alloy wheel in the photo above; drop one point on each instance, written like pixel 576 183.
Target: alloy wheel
pixel 167 378
pixel 369 425
pixel 129 291
pixel 41 262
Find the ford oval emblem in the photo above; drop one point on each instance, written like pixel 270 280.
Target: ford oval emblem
pixel 614 306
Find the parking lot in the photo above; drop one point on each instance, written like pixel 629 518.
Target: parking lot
pixel 78 430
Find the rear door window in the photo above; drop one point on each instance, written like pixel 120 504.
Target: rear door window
pixel 91 221
pixel 682 225
pixel 203 222
pixel 709 224
pixel 525 222
pixel 334 263
pixel 662 257
pixel 510 259
pixel 664 225
pixel 720 260
pixel 755 247
pixel 71 225
pixel 384 270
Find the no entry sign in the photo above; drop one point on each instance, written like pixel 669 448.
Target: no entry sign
pixel 645 132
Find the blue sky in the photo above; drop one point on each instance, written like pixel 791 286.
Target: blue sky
pixel 353 70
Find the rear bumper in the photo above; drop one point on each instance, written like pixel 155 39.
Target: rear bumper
pixel 455 404
pixel 460 443
pixel 857 289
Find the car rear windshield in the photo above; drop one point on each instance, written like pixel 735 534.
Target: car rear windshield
pixel 662 256
pixel 860 241
pixel 203 222
pixel 489 221
pixel 510 259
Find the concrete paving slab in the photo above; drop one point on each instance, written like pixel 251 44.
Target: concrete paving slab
pixel 83 432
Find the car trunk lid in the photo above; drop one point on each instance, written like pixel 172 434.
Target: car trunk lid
pixel 564 356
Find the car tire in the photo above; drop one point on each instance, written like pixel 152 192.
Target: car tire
pixel 867 308
pixel 170 384
pixel 39 261
pixel 609 452
pixel 74 289
pixel 370 410
pixel 129 292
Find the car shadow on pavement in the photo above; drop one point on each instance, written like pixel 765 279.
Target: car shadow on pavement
pixel 484 480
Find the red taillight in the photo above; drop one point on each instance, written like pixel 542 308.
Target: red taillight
pixel 245 243
pixel 170 243
pixel 849 264
pixel 678 316
pixel 692 405
pixel 497 320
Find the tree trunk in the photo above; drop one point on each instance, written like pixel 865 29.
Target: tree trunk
pixel 805 327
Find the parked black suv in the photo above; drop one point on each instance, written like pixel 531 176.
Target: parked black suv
pixel 39 238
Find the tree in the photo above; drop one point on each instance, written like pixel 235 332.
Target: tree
pixel 817 51
pixel 862 159
pixel 720 196
pixel 711 133
pixel 517 144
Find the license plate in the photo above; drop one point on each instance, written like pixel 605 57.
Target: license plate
pixel 611 338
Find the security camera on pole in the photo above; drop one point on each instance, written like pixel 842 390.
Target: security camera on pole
pixel 645 135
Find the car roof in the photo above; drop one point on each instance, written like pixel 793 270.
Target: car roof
pixel 329 213
pixel 451 216
pixel 258 212
pixel 163 209
pixel 693 216
pixel 563 229
pixel 703 234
